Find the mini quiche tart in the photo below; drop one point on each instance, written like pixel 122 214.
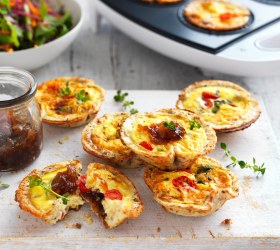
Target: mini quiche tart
pixel 169 138
pixel 101 138
pixel 162 1
pixel 69 101
pixel 223 105
pixel 217 15
pixel 111 195
pixel 51 205
pixel 198 190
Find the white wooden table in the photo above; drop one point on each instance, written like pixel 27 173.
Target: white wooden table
pixel 117 62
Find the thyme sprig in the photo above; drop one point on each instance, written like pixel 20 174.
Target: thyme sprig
pixel 242 164
pixel 169 125
pixel 194 124
pixel 3 185
pixel 121 97
pixel 35 181
pixel 82 96
pixel 217 105
pixel 65 91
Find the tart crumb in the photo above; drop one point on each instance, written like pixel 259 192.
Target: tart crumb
pixel 77 225
pixel 226 222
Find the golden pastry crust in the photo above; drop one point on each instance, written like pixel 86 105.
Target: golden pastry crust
pixel 101 138
pixel 170 155
pixel 198 191
pixel 106 184
pixel 65 109
pixel 217 15
pixel 237 109
pixel 55 209
pixel 162 1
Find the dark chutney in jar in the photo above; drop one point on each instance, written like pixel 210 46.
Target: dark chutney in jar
pixel 20 139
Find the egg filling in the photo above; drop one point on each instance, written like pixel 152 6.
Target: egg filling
pixel 218 105
pixel 63 97
pixel 187 142
pixel 60 182
pixel 108 193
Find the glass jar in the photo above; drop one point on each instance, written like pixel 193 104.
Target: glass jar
pixel 20 124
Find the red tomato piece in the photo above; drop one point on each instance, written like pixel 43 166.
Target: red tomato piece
pixel 226 16
pixel 208 103
pixel 54 87
pixel 146 145
pixel 209 95
pixel 113 194
pixel 183 181
pixel 82 184
pixel 233 105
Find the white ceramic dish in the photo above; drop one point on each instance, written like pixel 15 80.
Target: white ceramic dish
pixel 33 58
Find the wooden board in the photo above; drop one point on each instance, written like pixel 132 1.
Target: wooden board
pixel 255 213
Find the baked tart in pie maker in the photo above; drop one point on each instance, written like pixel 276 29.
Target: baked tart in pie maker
pixel 217 15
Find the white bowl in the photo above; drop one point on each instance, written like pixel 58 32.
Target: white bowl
pixel 33 58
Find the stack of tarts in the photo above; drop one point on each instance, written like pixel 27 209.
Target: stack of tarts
pixel 171 144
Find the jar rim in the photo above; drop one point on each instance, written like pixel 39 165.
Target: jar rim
pixel 12 71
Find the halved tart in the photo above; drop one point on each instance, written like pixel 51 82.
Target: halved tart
pixel 198 190
pixel 111 195
pixel 101 138
pixel 169 138
pixel 51 207
pixel 223 105
pixel 217 15
pixel 69 101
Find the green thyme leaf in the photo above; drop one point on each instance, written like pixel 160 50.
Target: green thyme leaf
pixel 194 124
pixel 160 149
pixel 217 105
pixel 169 125
pixel 82 96
pixel 3 185
pixel 133 111
pixel 34 181
pixel 120 97
pixel 66 91
pixel 242 164
pixel 223 146
pixel 127 104
pixel 203 169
